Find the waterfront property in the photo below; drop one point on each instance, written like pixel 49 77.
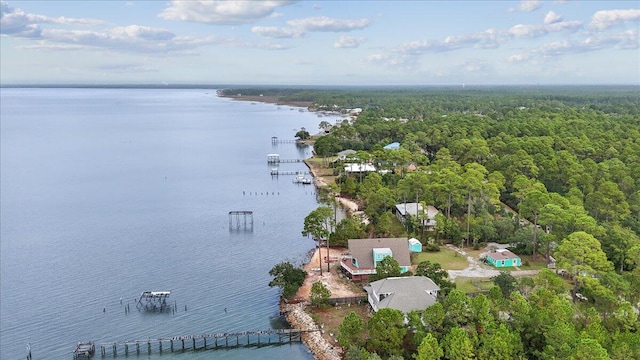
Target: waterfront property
pixel 365 254
pixel 402 293
pixel 346 154
pixel 503 258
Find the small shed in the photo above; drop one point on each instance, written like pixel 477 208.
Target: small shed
pixel 415 245
pixel 503 258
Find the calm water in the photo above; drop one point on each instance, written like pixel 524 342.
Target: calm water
pixel 109 192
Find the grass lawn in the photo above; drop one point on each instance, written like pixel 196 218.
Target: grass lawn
pixel 539 264
pixel 331 317
pixel 447 258
pixel 469 285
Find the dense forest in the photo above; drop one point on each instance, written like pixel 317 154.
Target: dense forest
pixel 564 159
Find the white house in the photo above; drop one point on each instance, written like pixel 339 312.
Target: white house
pixel 358 168
pixel 405 210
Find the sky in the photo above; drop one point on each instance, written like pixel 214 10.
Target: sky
pixel 328 42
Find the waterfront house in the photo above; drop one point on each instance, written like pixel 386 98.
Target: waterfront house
pixel 345 154
pixel 503 258
pixel 402 293
pixel 365 254
pixel 405 211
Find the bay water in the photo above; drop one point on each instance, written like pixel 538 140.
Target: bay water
pixel 106 193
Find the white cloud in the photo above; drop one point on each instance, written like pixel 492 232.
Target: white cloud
pixel 348 42
pixel 221 12
pixel 551 18
pixel 607 18
pixel 16 22
pixel 527 6
pixel 131 38
pixel 537 30
pixel 42 45
pixel 276 32
pixel 517 58
pixel 128 4
pixel 299 27
pixel 323 23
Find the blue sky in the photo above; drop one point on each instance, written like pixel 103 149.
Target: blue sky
pixel 320 42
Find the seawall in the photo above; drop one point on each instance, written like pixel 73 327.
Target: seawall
pixel 299 319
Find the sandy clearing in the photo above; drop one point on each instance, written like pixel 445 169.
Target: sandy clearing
pixel 338 286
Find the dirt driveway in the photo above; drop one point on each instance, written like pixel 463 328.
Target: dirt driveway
pixel 333 280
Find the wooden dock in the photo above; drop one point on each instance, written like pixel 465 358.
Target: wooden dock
pixel 276 172
pixel 275 159
pixel 203 342
pixel 275 141
pixel 84 350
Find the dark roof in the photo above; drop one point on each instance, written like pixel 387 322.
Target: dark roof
pixel 362 250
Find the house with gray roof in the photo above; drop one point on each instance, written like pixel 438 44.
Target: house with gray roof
pixel 364 255
pixel 428 216
pixel 346 154
pixel 402 293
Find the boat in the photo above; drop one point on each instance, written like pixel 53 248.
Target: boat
pixel 301 179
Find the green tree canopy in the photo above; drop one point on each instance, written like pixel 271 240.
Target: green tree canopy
pixel 386 332
pixel 387 267
pixel 429 349
pixel 287 277
pixel 320 294
pixel 581 254
pixel 351 330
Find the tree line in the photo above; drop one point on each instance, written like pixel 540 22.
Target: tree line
pixel 552 171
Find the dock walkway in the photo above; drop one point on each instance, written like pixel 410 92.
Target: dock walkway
pixel 203 342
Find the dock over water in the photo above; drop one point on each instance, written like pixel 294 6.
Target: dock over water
pixel 203 342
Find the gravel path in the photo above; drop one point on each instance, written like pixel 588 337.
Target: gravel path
pixel 475 269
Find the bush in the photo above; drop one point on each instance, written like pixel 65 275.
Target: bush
pixel 430 247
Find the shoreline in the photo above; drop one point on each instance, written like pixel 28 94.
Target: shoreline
pixel 295 314
pixel 269 99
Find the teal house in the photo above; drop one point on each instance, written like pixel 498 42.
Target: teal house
pixel 503 258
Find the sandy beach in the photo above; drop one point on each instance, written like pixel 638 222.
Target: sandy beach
pixel 268 99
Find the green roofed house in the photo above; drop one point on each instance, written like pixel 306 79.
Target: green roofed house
pixel 503 258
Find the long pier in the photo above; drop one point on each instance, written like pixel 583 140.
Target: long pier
pixel 203 342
